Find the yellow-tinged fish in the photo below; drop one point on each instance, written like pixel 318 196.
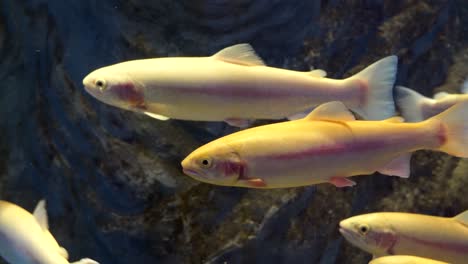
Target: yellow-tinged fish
pixel 437 238
pixel 235 86
pixel 25 237
pixel 405 260
pixel 326 146
pixel 415 107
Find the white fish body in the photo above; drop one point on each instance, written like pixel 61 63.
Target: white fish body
pixel 25 238
pixel 235 86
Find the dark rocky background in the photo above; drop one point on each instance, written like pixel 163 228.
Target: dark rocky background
pixel 112 179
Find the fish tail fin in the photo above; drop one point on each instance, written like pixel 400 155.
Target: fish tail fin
pixel 378 79
pixel 410 103
pixel 451 127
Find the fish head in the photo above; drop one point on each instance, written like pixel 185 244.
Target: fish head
pixel 113 86
pixel 215 163
pixel 369 232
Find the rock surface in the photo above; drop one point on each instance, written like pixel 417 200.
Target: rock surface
pixel 112 179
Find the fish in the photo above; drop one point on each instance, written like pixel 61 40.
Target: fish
pixel 25 237
pixel 235 86
pixel 415 107
pixel 394 233
pixel 405 260
pixel 327 146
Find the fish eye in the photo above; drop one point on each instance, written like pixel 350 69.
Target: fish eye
pixel 206 162
pixel 101 84
pixel 363 229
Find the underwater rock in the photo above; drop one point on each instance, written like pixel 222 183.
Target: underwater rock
pixel 112 178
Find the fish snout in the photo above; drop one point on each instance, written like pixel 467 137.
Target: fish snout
pixel 188 168
pixel 88 83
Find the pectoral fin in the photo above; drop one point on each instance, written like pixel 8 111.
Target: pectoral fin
pixel 159 117
pixel 341 182
pixel 40 213
pixel 253 183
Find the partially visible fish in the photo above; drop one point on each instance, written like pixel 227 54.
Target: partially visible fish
pixel 415 107
pixel 327 146
pixel 437 238
pixel 405 260
pixel 235 86
pixel 25 237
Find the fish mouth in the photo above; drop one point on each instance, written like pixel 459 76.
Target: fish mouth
pixel 349 235
pixel 191 172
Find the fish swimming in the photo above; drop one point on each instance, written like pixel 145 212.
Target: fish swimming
pixel 235 86
pixel 328 145
pixel 25 237
pixel 415 107
pixel 437 238
pixel 405 260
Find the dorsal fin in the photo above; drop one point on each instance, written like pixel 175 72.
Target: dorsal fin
pixel 464 87
pixel 40 213
pixel 463 218
pixel 395 119
pixel 317 73
pixel 331 111
pixel 440 95
pixel 242 54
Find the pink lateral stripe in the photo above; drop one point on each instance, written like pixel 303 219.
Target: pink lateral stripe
pixel 328 150
pixel 249 92
pixel 453 247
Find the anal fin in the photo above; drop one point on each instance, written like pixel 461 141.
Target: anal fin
pixel 398 167
pixel 253 183
pixel 341 182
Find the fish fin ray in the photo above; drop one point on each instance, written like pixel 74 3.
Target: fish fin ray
pixel 63 252
pixel 317 73
pixel 299 115
pixel 40 213
pixel 331 111
pixel 410 103
pixel 440 95
pixel 395 119
pixel 238 122
pixel 85 261
pixel 341 182
pixel 379 78
pixel 462 217
pixel 253 182
pixel 156 116
pixel 242 54
pixel 398 167
pixel 464 87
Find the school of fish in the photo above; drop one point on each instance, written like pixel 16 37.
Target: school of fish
pixel 337 129
pixel 322 143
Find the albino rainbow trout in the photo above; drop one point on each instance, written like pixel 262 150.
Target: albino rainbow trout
pixel 235 86
pixel 437 238
pixel 328 145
